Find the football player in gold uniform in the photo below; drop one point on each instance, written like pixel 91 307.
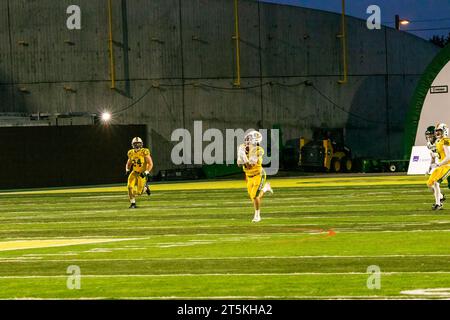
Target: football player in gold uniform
pixel 440 164
pixel 250 157
pixel 137 169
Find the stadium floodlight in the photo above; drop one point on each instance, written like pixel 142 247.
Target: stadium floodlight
pixel 399 21
pixel 106 116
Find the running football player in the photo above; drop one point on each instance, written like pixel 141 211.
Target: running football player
pixel 440 164
pixel 250 157
pixel 431 139
pixel 137 170
pixel 431 145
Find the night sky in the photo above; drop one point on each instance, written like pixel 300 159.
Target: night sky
pixel 414 10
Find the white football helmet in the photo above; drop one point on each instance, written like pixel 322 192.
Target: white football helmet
pixel 253 138
pixel 137 143
pixel 441 127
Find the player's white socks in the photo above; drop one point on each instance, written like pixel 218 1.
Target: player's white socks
pixel 267 188
pixel 133 200
pixel 257 216
pixel 437 193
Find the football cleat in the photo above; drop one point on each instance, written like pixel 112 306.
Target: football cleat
pixel 256 219
pixel 133 206
pixel 436 207
pixel 268 188
pixel 443 198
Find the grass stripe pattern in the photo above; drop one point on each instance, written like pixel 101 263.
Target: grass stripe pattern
pixel 196 240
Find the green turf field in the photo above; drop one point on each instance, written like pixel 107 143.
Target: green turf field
pixel 196 240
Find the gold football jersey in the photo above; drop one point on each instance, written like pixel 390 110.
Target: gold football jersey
pixel 440 148
pixel 254 153
pixel 137 159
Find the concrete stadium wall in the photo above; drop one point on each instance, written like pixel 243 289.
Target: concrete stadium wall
pixel 183 45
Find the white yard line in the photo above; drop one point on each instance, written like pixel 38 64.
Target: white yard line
pixel 123 196
pixel 418 297
pixel 434 292
pixel 41 258
pixel 244 235
pixel 292 274
pixel 272 217
pixel 306 229
pixel 193 220
pixel 272 297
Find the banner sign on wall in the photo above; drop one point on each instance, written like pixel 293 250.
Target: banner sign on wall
pixel 420 160
pixel 438 89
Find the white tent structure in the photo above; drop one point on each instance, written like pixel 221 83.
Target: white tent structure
pixel 431 101
pixel 436 107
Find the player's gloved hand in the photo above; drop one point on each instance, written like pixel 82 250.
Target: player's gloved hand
pixel 241 156
pixel 145 174
pixel 253 160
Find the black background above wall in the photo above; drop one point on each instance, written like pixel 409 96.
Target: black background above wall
pixel 65 155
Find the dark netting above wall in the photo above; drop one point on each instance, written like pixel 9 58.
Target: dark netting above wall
pixel 61 156
pixel 418 99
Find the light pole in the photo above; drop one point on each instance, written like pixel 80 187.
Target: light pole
pixel 343 37
pixel 399 22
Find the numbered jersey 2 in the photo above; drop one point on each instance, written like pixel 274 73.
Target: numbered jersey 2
pixel 137 159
